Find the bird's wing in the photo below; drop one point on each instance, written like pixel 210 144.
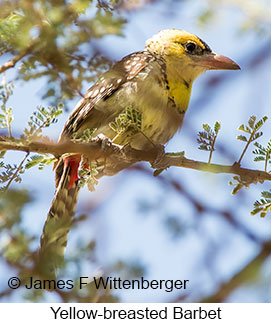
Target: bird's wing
pixel 109 82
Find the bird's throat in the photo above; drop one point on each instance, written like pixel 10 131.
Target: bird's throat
pixel 180 92
pixel 180 81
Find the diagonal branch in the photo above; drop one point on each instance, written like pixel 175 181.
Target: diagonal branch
pixel 241 278
pixel 11 63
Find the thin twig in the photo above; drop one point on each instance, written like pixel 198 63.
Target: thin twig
pixel 4 106
pixel 11 63
pixel 266 160
pixel 212 149
pixel 16 173
pixel 248 143
pixel 9 128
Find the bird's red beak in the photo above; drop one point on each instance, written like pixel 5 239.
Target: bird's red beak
pixel 215 61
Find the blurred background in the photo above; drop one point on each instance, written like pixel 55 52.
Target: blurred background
pixel 183 224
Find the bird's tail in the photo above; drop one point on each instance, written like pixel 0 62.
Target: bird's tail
pixel 60 217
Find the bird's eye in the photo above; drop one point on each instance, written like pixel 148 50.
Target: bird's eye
pixel 190 46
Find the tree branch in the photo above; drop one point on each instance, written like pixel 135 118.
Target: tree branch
pixel 242 277
pixel 124 156
pixel 11 63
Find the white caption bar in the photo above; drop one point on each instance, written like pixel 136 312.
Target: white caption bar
pixel 139 312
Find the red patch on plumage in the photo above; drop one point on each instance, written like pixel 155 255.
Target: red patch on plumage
pixel 86 166
pixel 73 162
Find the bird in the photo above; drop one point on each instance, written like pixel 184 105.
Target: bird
pixel 156 84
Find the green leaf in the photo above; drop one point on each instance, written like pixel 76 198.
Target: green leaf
pixel 41 160
pixel 266 194
pixel 217 127
pixel 264 153
pixel 255 211
pixel 207 128
pixel 251 121
pixel 242 138
pixel 42 118
pixel 207 138
pixel 263 205
pixel 236 189
pixel 127 123
pixel 259 158
pixel 204 147
pixel 244 129
pixel 256 136
pixel 260 123
pixel 261 148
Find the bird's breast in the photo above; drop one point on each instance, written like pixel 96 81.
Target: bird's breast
pixel 150 96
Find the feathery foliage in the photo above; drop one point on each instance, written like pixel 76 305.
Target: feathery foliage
pixel 252 129
pixel 263 153
pixel 263 205
pixel 207 138
pixel 40 119
pixel 129 122
pixel 45 36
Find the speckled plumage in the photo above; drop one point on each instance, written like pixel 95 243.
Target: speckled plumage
pixel 138 81
pixel 157 84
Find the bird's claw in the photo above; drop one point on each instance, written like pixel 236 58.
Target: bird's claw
pixel 162 161
pixel 160 149
pixel 105 141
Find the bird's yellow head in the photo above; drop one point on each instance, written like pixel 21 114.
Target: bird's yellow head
pixel 187 54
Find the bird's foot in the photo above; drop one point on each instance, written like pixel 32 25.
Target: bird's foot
pixel 105 141
pixel 161 162
pixel 160 150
